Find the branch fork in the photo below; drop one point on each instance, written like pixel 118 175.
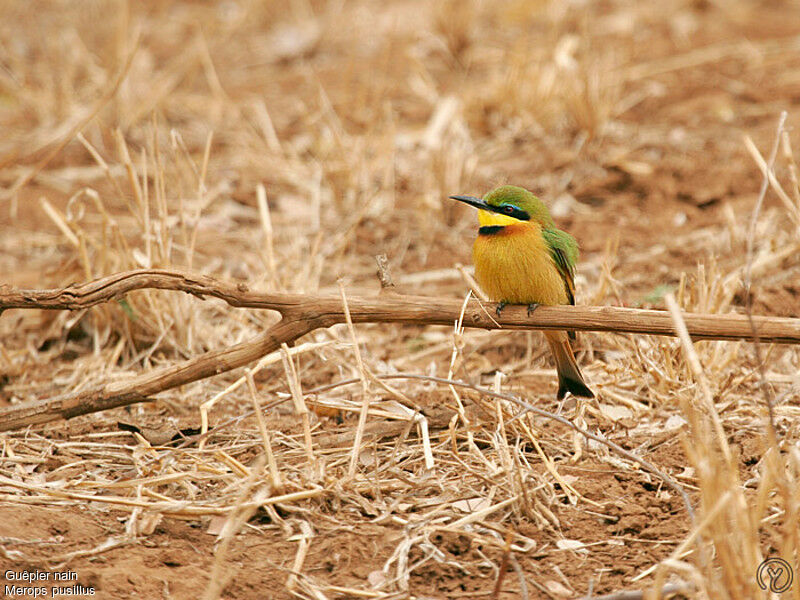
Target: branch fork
pixel 302 314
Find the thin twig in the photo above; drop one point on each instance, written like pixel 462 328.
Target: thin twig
pixel 300 557
pixel 699 375
pixel 751 234
pixel 384 276
pixel 240 513
pixel 275 475
pixel 362 415
pixel 498 585
pixel 299 403
pixel 266 226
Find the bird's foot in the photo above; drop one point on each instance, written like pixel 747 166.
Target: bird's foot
pixel 532 307
pixel 500 308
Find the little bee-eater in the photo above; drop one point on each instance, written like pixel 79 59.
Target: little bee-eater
pixel 521 258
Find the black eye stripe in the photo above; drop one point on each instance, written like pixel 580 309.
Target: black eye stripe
pixel 515 212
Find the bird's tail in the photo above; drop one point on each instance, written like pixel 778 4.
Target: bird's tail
pixel 569 375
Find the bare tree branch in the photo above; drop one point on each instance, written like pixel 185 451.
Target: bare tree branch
pixel 421 310
pixel 302 314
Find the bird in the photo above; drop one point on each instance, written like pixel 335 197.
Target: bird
pixel 521 257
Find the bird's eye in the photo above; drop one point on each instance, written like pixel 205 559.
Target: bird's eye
pixel 508 209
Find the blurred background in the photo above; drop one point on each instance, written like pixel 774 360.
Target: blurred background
pixel 360 121
pixel 286 143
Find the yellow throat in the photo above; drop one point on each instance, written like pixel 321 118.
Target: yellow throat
pixel 490 219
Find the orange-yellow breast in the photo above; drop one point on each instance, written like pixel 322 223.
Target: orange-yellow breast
pixel 515 266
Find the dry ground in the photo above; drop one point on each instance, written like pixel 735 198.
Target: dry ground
pixel 359 119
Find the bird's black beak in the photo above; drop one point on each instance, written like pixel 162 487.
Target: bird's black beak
pixel 476 202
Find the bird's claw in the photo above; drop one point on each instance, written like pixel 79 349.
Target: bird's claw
pixel 500 308
pixel 532 307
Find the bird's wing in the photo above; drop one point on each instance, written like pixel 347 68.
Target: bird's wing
pixel 564 250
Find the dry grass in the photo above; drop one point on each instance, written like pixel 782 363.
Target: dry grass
pixel 285 145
